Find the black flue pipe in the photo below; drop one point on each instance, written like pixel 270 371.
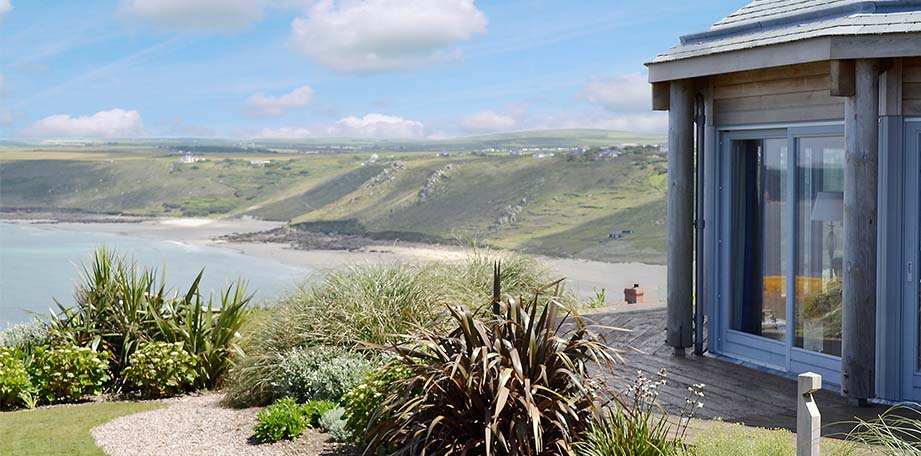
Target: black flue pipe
pixel 700 119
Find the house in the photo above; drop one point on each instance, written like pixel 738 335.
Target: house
pixel 259 163
pixel 806 168
pixel 189 159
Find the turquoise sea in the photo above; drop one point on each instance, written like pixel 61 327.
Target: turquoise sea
pixel 39 265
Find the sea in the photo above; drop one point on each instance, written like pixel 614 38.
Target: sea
pixel 41 265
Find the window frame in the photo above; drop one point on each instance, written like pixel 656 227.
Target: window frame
pixel 773 354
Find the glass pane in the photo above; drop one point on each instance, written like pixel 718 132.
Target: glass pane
pixel 759 239
pixel 820 246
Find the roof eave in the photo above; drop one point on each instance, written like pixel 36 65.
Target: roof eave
pixel 789 53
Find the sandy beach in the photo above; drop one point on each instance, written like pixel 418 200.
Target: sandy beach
pixel 584 277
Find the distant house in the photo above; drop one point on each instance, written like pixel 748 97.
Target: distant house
pixel 797 125
pixel 189 158
pixel 259 163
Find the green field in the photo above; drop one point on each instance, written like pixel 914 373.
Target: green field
pixel 489 189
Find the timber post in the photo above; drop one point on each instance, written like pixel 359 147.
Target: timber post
pixel 861 187
pixel 680 215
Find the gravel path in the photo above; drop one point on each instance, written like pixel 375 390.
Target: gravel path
pixel 199 425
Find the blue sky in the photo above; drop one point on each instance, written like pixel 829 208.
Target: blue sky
pixel 317 68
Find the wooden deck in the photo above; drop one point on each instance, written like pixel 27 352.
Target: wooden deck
pixel 733 392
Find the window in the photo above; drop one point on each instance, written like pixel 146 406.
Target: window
pixel 819 239
pixel 759 237
pixel 785 232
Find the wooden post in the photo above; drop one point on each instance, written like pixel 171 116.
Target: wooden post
pixel 808 418
pixel 680 215
pixel 861 189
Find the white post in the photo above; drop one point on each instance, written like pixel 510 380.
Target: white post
pixel 808 418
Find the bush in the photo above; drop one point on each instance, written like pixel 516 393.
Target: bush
pixel 68 373
pixel 15 385
pixel 120 306
pixel 369 304
pixel 161 369
pixel 283 420
pixel 363 401
pixel 25 336
pixel 321 373
pixel 332 422
pixel 314 410
pixel 639 426
pixel 515 383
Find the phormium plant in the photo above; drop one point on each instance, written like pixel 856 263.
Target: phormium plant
pixel 515 382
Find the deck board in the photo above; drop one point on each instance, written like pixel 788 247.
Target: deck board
pixel 733 392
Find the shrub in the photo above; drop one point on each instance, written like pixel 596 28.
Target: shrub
pixel 363 401
pixel 120 306
pixel 638 426
pixel 369 304
pixel 332 422
pixel 25 336
pixel 15 385
pixel 282 420
pixel 516 383
pixel 68 373
pixel 314 410
pixel 210 333
pixel 321 373
pixel 160 369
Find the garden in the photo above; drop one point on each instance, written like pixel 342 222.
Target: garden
pixel 486 356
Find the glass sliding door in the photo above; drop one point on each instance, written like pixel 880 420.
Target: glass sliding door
pixel 759 238
pixel 819 247
pixel 781 247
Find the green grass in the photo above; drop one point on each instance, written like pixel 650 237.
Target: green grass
pixel 726 439
pixel 61 430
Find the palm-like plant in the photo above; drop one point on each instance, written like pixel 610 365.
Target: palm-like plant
pixel 120 305
pixel 515 382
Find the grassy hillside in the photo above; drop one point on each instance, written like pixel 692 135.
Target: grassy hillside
pixel 561 205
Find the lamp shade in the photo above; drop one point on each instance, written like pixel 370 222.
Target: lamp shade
pixel 828 207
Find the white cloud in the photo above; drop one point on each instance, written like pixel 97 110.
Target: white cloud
pixel 488 121
pixel 196 15
pixel 261 104
pixel 626 92
pixel 285 133
pixel 115 123
pixel 378 126
pixel 5 7
pixel 367 36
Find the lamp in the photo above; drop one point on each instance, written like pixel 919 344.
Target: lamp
pixel 829 207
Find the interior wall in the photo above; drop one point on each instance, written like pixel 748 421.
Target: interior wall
pixel 786 94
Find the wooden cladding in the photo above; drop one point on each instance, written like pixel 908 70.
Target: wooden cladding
pixel 911 86
pixel 783 94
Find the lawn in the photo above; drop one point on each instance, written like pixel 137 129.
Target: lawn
pixel 61 430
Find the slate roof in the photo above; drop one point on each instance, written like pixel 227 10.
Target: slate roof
pixel 768 22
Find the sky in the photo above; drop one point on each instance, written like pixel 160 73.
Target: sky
pixel 333 68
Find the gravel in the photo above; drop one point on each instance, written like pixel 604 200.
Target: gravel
pixel 200 425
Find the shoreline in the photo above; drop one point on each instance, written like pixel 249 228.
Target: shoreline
pixel 584 277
